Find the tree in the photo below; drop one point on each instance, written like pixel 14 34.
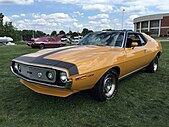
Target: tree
pixel 1 19
pixel 54 33
pixel 62 32
pixel 69 33
pixel 86 31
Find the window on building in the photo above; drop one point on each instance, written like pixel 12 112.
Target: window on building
pixel 138 25
pixel 154 32
pixel 154 23
pixel 144 24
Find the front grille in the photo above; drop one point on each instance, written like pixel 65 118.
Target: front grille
pixel 30 73
pixel 33 73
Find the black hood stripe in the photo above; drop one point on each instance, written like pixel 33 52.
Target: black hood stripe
pixel 72 68
pixel 58 50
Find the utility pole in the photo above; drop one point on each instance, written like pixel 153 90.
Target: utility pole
pixel 122 18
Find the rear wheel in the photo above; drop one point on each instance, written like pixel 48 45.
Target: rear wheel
pixel 42 46
pixel 106 87
pixel 153 66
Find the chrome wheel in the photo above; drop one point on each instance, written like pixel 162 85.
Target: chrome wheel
pixel 109 85
pixel 106 88
pixel 155 66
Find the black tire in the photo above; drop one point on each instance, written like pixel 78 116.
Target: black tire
pixel 42 46
pixel 31 46
pixel 106 87
pixel 153 66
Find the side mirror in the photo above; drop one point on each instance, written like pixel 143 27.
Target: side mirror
pixel 134 44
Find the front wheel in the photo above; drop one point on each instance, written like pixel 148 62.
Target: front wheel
pixel 106 87
pixel 42 46
pixel 153 66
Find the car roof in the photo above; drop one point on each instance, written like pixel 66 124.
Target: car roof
pixel 112 31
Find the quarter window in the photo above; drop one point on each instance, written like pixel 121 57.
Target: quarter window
pixel 143 42
pixel 134 37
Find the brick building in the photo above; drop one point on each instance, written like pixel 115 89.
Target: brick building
pixel 155 25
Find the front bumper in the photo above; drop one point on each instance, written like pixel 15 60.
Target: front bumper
pixel 48 90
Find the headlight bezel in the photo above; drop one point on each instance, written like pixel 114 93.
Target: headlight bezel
pixel 50 75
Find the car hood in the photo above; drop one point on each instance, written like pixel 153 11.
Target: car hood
pixel 84 57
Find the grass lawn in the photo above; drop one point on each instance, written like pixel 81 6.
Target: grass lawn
pixel 142 100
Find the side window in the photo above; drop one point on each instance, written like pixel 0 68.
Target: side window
pixel 119 40
pixel 142 39
pixel 46 39
pixel 51 39
pixel 133 37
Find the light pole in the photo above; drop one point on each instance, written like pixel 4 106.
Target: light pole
pixel 122 18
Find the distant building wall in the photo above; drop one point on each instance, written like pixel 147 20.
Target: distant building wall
pixel 155 25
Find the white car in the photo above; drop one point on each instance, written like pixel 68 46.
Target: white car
pixel 5 40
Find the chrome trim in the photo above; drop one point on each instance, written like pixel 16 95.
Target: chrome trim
pixel 120 78
pixel 124 40
pixel 68 83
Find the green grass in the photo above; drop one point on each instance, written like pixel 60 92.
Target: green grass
pixel 142 100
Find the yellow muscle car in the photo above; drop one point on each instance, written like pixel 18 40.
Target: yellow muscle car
pixel 98 61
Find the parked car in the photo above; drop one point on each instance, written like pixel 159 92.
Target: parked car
pixel 76 39
pixel 10 43
pixel 5 40
pixel 67 40
pixel 45 42
pixel 97 62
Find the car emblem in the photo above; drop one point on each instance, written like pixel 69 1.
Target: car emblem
pixel 39 75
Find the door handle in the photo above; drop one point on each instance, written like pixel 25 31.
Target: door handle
pixel 145 50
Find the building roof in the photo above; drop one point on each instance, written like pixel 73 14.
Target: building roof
pixel 150 17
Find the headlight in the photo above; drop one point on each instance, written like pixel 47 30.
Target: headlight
pixel 63 77
pixel 50 75
pixel 17 67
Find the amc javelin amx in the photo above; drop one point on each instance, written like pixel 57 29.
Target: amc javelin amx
pixel 98 61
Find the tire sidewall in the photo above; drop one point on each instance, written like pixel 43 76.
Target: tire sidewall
pixel 99 93
pixel 114 92
pixel 42 46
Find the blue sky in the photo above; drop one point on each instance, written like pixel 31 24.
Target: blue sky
pixel 49 15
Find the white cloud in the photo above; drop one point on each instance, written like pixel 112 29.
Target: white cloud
pixel 100 21
pixel 17 1
pixel 99 16
pixel 137 9
pixel 6 19
pixel 23 15
pixel 48 22
pixel 77 26
pixel 164 7
pixel 15 16
pixel 78 13
pixel 100 7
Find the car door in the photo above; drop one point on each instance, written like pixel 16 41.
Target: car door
pixel 135 56
pixel 52 42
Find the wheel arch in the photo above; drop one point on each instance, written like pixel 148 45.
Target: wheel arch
pixel 158 54
pixel 117 69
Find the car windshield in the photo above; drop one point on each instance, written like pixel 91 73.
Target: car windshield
pixel 103 39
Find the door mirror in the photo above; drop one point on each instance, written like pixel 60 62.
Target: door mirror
pixel 134 44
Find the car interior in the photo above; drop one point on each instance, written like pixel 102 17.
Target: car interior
pixel 133 37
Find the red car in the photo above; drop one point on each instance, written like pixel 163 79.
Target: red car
pixel 45 42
